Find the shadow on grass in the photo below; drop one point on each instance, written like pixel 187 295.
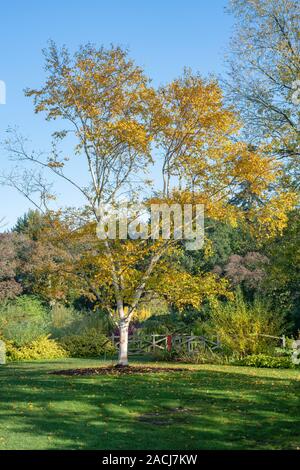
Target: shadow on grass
pixel 205 409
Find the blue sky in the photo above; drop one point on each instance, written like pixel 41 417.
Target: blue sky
pixel 162 36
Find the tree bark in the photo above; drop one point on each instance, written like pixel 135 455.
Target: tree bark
pixel 123 348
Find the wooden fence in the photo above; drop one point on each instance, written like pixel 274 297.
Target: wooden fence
pixel 154 343
pixel 141 344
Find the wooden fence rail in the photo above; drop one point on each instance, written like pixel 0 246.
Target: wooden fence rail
pixel 153 343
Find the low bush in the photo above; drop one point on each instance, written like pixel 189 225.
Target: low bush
pixel 164 355
pixel 263 360
pixel 201 356
pixel 90 343
pixel 41 348
pixel 205 356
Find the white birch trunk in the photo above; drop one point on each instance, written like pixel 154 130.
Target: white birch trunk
pixel 123 348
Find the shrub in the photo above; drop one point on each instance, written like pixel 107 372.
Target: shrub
pixel 204 356
pixel 23 320
pixel 263 360
pixel 291 350
pixel 90 343
pixel 66 321
pixel 41 348
pixel 23 333
pixel 164 324
pixel 98 320
pixel 164 355
pixel 30 306
pixel 240 326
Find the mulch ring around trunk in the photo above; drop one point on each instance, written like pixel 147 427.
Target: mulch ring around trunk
pixel 117 370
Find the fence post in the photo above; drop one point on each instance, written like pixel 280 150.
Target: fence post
pixel 153 343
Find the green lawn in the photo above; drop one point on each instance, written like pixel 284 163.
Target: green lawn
pixel 211 407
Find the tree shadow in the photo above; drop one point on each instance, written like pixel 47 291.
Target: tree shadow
pixel 205 409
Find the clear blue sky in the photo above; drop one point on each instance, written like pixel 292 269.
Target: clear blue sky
pixel 163 37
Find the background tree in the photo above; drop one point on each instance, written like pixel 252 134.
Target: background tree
pixel 9 285
pixel 283 273
pixel 264 67
pixel 247 271
pixel 30 224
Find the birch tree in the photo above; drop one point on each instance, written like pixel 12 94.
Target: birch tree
pixel 120 129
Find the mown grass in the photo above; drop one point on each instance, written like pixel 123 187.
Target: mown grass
pixel 204 407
